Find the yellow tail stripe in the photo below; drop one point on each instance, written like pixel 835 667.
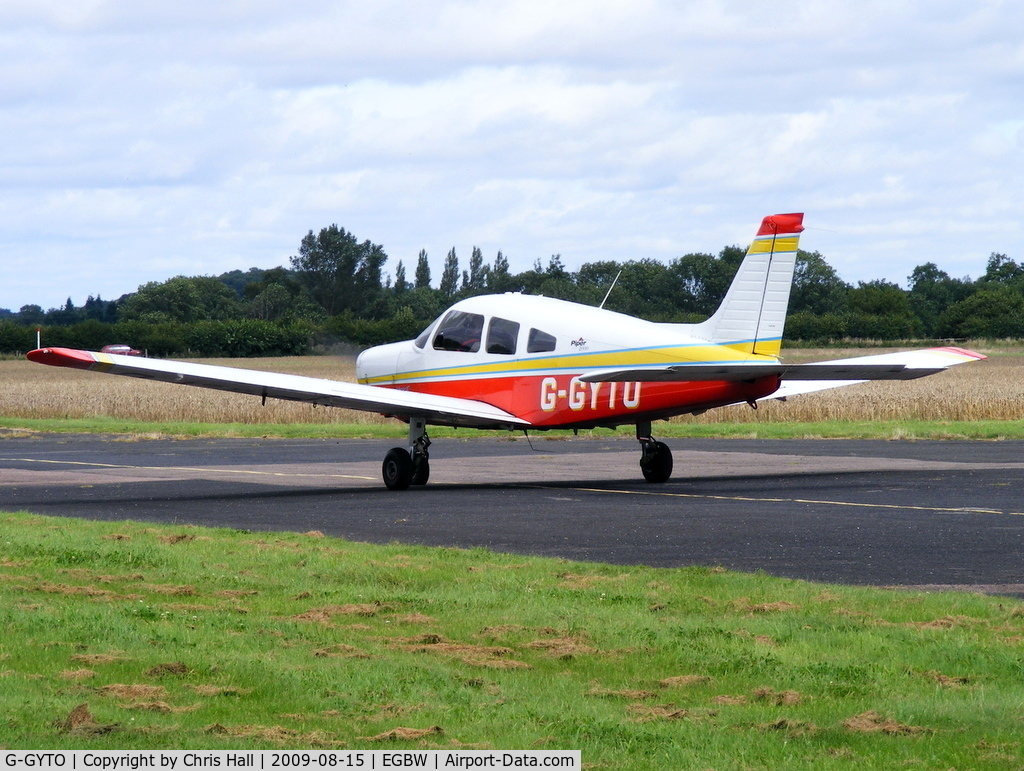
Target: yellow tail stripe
pixel 766 245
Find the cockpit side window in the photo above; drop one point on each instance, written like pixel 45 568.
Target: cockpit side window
pixel 459 331
pixel 539 342
pixel 501 336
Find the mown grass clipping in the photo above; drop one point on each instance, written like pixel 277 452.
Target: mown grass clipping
pixel 121 635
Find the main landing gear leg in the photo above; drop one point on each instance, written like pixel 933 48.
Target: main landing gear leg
pixel 418 444
pixel 403 467
pixel 655 457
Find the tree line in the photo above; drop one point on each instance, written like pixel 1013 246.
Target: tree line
pixel 335 290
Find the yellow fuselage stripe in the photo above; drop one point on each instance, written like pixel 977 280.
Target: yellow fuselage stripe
pixel 654 357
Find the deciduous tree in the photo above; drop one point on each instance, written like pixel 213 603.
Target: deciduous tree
pixel 339 272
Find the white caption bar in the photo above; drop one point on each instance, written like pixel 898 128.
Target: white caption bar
pixel 274 760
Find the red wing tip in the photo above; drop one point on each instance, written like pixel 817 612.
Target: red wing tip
pixel 962 352
pixel 62 357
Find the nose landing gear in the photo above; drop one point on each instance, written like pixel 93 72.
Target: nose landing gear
pixel 402 467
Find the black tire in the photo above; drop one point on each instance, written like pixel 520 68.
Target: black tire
pixel 397 469
pixel 656 465
pixel 420 472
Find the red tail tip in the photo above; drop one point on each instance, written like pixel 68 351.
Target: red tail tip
pixel 781 223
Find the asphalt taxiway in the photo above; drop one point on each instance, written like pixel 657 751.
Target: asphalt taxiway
pixel 946 514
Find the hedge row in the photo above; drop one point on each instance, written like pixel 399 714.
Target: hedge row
pixel 236 338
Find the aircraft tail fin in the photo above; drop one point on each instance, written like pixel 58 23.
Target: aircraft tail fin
pixel 752 316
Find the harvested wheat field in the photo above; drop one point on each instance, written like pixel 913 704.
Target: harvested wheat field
pixel 992 389
pixel 34 391
pixel 989 390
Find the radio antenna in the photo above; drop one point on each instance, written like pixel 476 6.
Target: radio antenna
pixel 614 280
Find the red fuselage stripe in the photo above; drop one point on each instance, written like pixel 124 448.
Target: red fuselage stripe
pixel 556 401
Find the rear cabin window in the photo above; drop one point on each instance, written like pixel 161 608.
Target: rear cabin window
pixel 459 331
pixel 540 342
pixel 501 336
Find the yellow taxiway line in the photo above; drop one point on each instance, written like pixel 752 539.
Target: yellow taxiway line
pixel 208 469
pixel 750 499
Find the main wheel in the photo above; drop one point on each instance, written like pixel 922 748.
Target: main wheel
pixel 656 464
pixel 397 469
pixel 420 471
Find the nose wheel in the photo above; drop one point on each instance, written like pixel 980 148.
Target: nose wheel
pixel 655 456
pixel 404 467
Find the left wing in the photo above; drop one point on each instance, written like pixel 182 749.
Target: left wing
pixel 800 378
pixel 443 410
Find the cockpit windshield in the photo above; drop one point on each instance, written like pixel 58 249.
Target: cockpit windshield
pixel 424 336
pixel 459 331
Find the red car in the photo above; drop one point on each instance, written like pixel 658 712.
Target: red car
pixel 124 350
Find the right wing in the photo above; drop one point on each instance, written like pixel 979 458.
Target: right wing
pixel 441 410
pixel 804 379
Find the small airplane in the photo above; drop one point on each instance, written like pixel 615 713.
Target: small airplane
pixel 520 362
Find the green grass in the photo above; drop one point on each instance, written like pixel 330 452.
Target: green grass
pixel 882 429
pixel 182 637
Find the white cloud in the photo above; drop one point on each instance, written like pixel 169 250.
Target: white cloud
pixel 146 140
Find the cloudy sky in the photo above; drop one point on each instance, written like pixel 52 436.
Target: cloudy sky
pixel 140 141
